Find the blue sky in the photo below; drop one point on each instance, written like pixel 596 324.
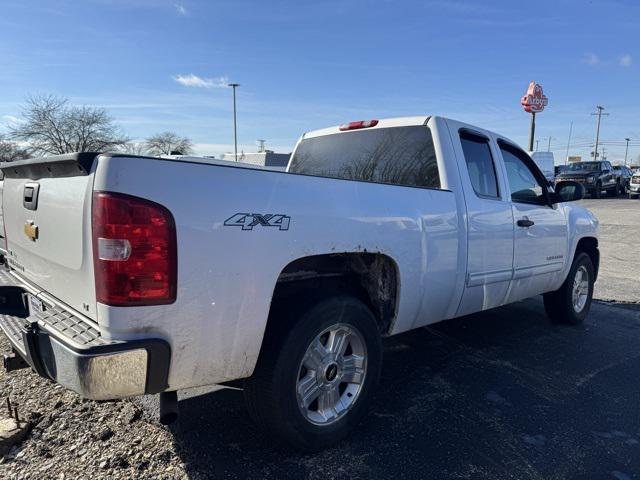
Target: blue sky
pixel 160 65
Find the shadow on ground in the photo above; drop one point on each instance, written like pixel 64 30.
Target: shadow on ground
pixel 501 394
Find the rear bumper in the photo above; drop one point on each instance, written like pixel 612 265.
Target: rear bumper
pixel 69 350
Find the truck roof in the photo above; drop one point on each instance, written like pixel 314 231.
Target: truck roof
pixel 383 123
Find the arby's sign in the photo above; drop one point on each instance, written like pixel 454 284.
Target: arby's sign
pixel 534 100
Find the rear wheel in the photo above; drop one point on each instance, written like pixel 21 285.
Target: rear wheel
pixel 572 301
pixel 317 372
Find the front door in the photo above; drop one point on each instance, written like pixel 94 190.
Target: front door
pixel 541 235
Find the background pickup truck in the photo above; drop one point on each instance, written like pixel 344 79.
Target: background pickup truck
pixel 132 275
pixel 594 176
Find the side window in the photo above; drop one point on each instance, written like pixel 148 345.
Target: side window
pixel 482 172
pixel 525 185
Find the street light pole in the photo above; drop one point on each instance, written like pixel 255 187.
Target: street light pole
pixel 626 150
pixel 566 158
pixel 549 144
pixel 235 125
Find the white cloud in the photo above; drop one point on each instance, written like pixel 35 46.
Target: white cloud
pixel 192 80
pixel 626 60
pixel 181 9
pixel 591 59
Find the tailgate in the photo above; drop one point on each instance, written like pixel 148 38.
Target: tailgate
pixel 47 217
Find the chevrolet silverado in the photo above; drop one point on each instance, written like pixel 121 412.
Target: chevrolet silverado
pixel 133 275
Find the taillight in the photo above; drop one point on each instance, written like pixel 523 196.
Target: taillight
pixel 134 251
pixel 357 125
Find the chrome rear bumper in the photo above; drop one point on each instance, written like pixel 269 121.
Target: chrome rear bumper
pixel 70 350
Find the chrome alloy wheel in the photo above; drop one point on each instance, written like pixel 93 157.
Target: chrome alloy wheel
pixel 331 374
pixel 580 291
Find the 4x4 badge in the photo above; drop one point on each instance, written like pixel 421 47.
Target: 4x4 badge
pixel 249 220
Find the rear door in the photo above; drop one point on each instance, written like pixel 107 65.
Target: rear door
pixel 541 234
pixel 47 217
pixel 489 221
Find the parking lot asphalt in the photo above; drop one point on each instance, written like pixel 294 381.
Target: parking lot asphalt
pixel 619 248
pixel 501 394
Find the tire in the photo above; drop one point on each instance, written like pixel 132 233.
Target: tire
pixel 288 366
pixel 562 306
pixel 615 192
pixel 597 193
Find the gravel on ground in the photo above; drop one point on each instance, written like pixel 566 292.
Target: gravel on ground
pixel 72 438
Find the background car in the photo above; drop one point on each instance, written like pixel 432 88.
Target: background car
pixel 594 176
pixel 634 186
pixel 624 174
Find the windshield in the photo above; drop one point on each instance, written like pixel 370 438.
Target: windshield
pixel 581 166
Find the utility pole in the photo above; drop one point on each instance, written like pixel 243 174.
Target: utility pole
pixel 261 147
pixel 599 114
pixel 626 150
pixel 235 125
pixel 566 158
pixel 537 141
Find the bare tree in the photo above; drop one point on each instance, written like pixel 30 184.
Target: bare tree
pixel 169 143
pixel 11 151
pixel 135 148
pixel 51 126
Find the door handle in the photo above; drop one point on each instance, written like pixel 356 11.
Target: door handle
pixel 525 222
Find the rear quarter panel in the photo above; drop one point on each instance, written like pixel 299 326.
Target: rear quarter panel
pixel 226 275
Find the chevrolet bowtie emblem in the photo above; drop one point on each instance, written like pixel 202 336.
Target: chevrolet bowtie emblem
pixel 31 230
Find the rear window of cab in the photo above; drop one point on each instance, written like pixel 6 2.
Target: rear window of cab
pixel 395 155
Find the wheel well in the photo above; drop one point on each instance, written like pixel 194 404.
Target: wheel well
pixel 589 245
pixel 371 277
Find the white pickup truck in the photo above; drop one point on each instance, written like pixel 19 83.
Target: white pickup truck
pixel 132 275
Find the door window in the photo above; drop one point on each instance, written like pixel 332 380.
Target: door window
pixel 526 186
pixel 482 172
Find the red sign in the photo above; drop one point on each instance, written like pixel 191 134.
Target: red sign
pixel 534 100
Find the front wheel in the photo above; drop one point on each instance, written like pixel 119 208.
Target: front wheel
pixel 615 192
pixel 317 373
pixel 572 301
pixel 597 193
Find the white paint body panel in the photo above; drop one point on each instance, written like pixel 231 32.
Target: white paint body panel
pixel 454 253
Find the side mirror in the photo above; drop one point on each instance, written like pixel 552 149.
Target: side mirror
pixel 568 191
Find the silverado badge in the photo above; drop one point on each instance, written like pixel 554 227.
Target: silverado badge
pixel 31 230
